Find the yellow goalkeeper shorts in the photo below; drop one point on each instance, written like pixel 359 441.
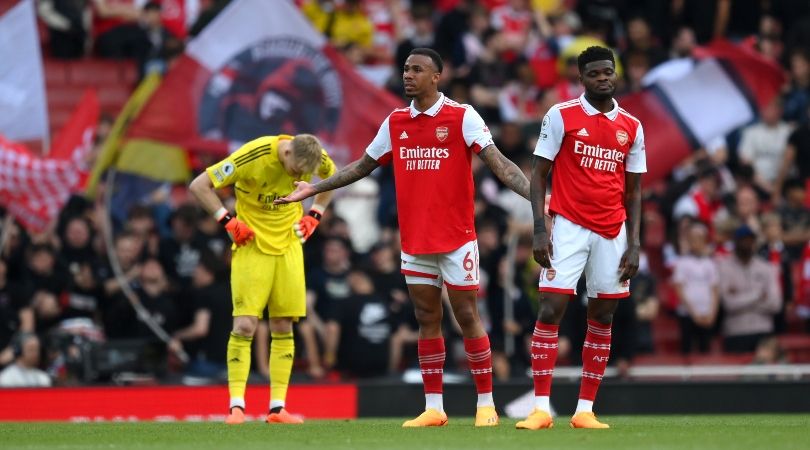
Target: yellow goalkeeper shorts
pixel 259 280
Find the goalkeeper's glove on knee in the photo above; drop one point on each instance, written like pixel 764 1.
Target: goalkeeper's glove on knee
pixel 239 231
pixel 306 226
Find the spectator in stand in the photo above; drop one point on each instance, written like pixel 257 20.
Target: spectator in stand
pixel 205 339
pixel 25 371
pixel 342 23
pixel 643 294
pixel 421 34
pixel 180 252
pixel 797 98
pixel 568 86
pixel 641 41
pixel 116 31
pixel 703 201
pixel 16 313
pixel 638 66
pixel 518 100
pixel 128 251
pixel 773 251
pixel 120 318
pixel 163 45
pixel 487 76
pixel 513 21
pixel 67 36
pixel 364 320
pixel 327 289
pixel 796 160
pixel 696 282
pixel 762 146
pixel 749 292
pixel 747 209
pixel 77 245
pixel 142 224
pixel 795 218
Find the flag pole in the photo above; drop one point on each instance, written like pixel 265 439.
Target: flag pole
pixel 142 313
pixel 8 221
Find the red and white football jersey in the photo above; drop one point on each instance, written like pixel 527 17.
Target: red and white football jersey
pixel 431 153
pixel 591 153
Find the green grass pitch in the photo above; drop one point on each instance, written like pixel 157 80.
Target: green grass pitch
pixel 766 431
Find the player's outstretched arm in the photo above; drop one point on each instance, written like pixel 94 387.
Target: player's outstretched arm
pixel 506 171
pixel 343 177
pixel 541 246
pixel 632 203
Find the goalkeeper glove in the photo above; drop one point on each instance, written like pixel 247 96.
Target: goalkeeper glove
pixel 306 226
pixel 239 231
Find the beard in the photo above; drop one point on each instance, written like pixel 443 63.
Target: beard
pixel 599 95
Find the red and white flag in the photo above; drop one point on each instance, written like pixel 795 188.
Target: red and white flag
pixel 258 69
pixel 696 101
pixel 35 189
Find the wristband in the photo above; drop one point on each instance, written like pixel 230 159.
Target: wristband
pixel 223 216
pixel 315 214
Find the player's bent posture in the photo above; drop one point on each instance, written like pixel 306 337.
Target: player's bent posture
pixel 430 145
pixel 267 268
pixel 597 150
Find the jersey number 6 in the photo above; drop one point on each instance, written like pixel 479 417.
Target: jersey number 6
pixel 468 262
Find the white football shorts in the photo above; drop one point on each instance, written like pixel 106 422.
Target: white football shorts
pixel 576 248
pixel 457 269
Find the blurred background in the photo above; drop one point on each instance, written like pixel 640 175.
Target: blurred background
pixel 111 275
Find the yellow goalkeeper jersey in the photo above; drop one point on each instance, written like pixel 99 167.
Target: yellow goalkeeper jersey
pixel 259 178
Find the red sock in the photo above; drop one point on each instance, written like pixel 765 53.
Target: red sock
pixel 479 356
pixel 431 361
pixel 544 356
pixel 595 353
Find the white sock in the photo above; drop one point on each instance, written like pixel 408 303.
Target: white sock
pixel 240 402
pixel 543 403
pixel 434 401
pixel 276 403
pixel 584 406
pixel 485 400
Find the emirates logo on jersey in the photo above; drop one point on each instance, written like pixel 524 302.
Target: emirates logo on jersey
pixel 621 136
pixel 441 133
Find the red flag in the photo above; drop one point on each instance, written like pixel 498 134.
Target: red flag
pixel 261 69
pixel 721 91
pixel 34 189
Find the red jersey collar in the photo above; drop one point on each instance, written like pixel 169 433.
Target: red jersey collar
pixel 432 111
pixel 591 111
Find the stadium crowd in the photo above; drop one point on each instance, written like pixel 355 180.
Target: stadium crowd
pixel 726 238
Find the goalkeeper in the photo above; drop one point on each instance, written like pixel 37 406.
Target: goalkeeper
pixel 267 268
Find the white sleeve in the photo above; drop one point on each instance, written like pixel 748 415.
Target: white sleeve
pixel 381 143
pixel 475 131
pixel 637 156
pixel 551 135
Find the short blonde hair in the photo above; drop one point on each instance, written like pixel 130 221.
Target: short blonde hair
pixel 306 150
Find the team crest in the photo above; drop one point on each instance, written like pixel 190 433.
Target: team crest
pixel 621 136
pixel 550 274
pixel 441 133
pixel 274 86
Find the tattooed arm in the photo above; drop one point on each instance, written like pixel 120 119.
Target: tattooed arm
pixel 343 177
pixel 506 171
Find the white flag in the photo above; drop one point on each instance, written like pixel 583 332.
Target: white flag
pixel 22 86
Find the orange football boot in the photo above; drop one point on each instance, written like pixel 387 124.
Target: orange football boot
pixel 486 416
pixel 236 416
pixel 537 420
pixel 587 419
pixel 429 418
pixel 283 416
